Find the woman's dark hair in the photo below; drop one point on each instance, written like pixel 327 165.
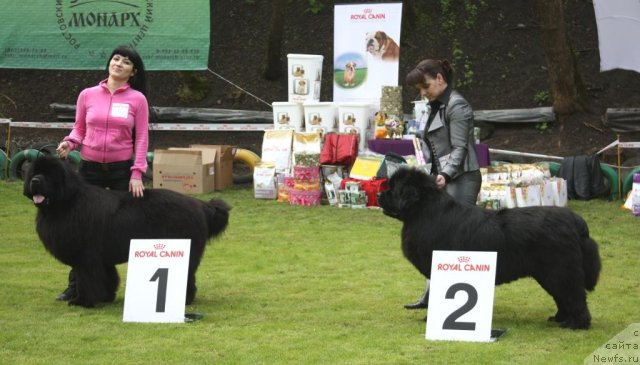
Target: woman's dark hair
pixel 139 79
pixel 432 68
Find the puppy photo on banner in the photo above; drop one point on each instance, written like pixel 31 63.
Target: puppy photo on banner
pixel 366 50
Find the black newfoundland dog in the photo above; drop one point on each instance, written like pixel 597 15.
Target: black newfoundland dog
pixel 550 244
pixel 89 228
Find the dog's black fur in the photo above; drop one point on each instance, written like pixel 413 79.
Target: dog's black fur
pixel 90 228
pixel 550 244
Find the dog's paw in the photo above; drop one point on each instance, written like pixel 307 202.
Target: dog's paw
pixel 553 319
pixel 558 317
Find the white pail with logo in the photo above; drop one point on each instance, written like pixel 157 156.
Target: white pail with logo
pixel 305 75
pixel 354 117
pixel 287 115
pixel 320 116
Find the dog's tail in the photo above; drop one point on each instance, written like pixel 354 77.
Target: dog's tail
pixel 217 212
pixel 591 264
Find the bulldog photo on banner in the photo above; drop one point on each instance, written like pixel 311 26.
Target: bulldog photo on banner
pixel 366 51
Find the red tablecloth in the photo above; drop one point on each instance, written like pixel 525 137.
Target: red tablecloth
pixel 404 147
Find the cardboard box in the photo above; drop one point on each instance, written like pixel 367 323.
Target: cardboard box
pixel 223 164
pixel 185 170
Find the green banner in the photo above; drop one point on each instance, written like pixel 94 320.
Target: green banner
pixel 80 34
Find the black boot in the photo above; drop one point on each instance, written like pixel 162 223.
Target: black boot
pixel 421 302
pixel 71 290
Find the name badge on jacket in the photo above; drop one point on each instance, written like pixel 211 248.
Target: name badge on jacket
pixel 120 110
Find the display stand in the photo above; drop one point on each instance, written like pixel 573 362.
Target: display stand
pixel 405 147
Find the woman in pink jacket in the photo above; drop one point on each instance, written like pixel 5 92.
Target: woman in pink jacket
pixel 111 131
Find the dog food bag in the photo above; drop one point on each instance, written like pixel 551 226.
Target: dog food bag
pixel 276 148
pixel 490 192
pixel 306 148
pixel 529 173
pixel 307 142
pixel 495 174
pixel 546 198
pixel 264 181
pixel 528 196
pixel 306 159
pixel 560 195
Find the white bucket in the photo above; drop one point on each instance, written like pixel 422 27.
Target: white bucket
pixel 355 118
pixel 305 75
pixel 287 115
pixel 320 116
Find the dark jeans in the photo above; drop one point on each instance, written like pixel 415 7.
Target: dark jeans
pixel 465 187
pixel 114 175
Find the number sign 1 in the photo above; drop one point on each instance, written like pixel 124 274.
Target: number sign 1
pixel 461 296
pixel 156 280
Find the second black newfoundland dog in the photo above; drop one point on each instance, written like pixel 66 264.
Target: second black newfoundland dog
pixel 550 244
pixel 90 228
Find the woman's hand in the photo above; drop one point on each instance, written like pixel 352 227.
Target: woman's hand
pixel 63 149
pixel 440 181
pixel 136 188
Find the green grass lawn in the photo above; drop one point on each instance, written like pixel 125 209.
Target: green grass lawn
pixel 300 285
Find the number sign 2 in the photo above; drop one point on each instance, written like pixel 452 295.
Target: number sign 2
pixel 461 296
pixel 156 280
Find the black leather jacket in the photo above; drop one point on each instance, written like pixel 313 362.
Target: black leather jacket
pixel 450 136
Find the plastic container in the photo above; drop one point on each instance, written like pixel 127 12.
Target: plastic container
pixel 635 195
pixel 287 115
pixel 354 117
pixel 305 76
pixel 320 116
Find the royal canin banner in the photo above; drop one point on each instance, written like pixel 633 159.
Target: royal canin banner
pixel 80 34
pixel 366 50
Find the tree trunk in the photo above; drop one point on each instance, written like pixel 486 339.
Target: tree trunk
pixel 273 69
pixel 564 78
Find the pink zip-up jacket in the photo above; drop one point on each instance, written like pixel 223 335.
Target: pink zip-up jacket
pixel 105 125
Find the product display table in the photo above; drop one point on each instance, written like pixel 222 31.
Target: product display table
pixel 404 147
